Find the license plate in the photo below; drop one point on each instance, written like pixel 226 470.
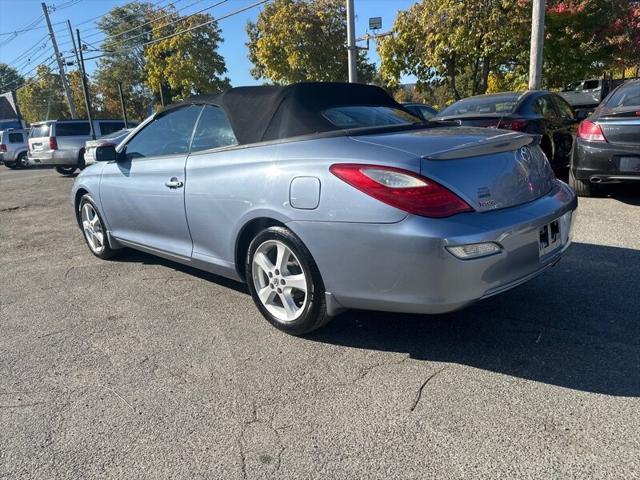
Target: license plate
pixel 554 235
pixel 630 164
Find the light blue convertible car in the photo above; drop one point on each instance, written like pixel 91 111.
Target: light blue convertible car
pixel 329 196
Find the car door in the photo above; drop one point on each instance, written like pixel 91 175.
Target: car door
pixel 566 132
pixel 549 127
pixel 142 194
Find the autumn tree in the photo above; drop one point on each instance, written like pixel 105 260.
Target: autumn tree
pixel 579 41
pixel 10 79
pixel 187 63
pixel 456 42
pixel 302 40
pixel 126 29
pixel 42 97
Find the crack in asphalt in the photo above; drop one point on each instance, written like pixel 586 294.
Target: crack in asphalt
pixel 424 384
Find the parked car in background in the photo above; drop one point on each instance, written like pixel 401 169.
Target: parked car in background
pixel 421 110
pixel 535 111
pixel 583 94
pixel 112 139
pixel 329 196
pixel 61 142
pixel 13 148
pixel 607 147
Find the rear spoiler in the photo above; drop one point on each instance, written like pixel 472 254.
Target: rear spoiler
pixel 500 143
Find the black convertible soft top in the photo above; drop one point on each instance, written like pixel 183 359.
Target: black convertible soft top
pixel 265 113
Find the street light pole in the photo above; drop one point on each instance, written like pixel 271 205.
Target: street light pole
pixel 352 49
pixel 537 42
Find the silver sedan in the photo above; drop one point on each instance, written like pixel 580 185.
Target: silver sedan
pixel 326 196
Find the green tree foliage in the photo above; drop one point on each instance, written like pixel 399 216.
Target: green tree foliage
pixel 185 64
pixel 302 40
pixel 126 29
pixel 455 42
pixel 43 98
pixel 10 79
pixel 580 39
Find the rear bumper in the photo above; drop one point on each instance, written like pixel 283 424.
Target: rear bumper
pixel 601 161
pixel 54 157
pixel 404 267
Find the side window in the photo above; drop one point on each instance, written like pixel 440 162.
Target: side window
pixel 591 84
pixel 15 138
pixel 427 113
pixel 109 127
pixel 213 130
pixel 168 134
pixel 566 112
pixel 72 129
pixel 544 106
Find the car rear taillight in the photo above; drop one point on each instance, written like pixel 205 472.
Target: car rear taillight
pixel 3 147
pixel 401 189
pixel 517 125
pixel 53 143
pixel 590 132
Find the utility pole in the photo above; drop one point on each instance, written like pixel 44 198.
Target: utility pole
pixel 85 88
pixel 124 110
pixel 537 42
pixel 352 49
pixel 65 85
pixel 75 48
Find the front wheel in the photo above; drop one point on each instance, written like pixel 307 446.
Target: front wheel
pixel 285 283
pixel 66 171
pixel 95 233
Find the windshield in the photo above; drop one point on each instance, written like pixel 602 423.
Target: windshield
pixel 500 104
pixel 368 116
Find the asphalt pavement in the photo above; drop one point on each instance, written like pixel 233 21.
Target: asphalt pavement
pixel 142 368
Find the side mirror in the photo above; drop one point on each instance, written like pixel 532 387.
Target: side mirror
pixel 106 153
pixel 581 115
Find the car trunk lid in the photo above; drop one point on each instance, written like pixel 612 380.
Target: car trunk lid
pixel 621 126
pixel 490 169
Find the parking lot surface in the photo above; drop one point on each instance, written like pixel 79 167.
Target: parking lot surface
pixel 141 368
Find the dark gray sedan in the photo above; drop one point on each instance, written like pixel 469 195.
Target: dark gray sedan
pixel 607 147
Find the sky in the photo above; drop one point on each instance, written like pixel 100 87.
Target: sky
pixel 18 15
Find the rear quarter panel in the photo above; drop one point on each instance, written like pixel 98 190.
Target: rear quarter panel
pixel 226 189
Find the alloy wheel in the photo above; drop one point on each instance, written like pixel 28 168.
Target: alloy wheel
pixel 92 228
pixel 279 280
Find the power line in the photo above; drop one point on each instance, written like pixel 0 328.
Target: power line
pixel 150 21
pixel 248 7
pixel 168 24
pixel 34 47
pixel 28 81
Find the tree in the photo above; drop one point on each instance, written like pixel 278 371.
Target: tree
pixel 456 42
pixel 42 98
pixel 126 29
pixel 10 79
pixel 302 40
pixel 188 63
pixel 580 39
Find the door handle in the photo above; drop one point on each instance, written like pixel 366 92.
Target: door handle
pixel 174 183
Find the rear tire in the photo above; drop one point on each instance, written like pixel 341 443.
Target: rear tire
pixel 583 188
pixel 11 165
pixel 66 171
pixel 23 161
pixel 285 283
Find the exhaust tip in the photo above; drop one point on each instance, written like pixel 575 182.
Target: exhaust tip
pixel 595 180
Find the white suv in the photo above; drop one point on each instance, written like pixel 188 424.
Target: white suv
pixel 13 148
pixel 61 142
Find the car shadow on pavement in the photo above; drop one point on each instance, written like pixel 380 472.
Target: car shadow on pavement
pixel 135 256
pixel 576 326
